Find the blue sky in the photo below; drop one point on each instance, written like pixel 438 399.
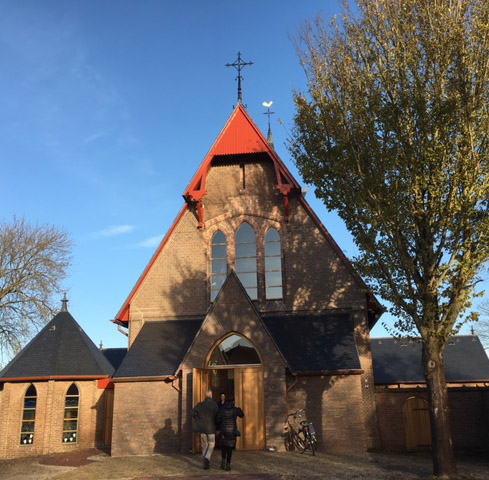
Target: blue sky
pixel 107 108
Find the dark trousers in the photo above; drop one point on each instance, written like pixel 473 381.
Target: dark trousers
pixel 226 453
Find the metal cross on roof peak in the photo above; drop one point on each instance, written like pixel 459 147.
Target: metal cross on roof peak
pixel 239 65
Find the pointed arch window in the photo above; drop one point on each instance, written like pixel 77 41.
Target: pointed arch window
pixel 234 350
pixel 28 416
pixel 273 265
pixel 246 259
pixel 219 263
pixel 70 421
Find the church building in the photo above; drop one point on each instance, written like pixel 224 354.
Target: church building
pixel 249 294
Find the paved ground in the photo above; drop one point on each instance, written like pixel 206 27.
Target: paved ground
pixel 95 465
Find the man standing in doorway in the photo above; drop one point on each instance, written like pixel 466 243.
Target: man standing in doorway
pixel 204 416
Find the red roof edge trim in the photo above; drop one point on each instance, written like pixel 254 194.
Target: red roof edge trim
pixel 194 186
pixel 123 314
pixel 53 377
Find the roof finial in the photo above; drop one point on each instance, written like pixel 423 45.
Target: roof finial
pixel 239 65
pixel 268 112
pixel 64 303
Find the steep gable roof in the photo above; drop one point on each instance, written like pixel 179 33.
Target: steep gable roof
pixel 241 136
pixel 399 361
pixel 60 349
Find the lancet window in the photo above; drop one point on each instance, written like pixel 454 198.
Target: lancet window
pixel 70 421
pixel 245 266
pixel 218 263
pixel 28 416
pixel 273 265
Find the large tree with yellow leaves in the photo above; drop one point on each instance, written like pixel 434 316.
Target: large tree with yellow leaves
pixel 393 133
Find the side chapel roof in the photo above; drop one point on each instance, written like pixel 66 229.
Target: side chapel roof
pixel 159 349
pixel 60 350
pixel 399 361
pixel 239 136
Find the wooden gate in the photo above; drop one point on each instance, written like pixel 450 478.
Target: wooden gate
pixel 417 424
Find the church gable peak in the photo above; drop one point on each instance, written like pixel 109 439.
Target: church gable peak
pixel 240 136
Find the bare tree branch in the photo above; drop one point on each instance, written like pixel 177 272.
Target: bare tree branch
pixel 33 264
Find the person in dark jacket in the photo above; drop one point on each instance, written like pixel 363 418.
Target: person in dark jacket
pixel 226 423
pixel 204 415
pixel 222 400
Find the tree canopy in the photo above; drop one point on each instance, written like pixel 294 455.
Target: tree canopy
pixel 33 264
pixel 394 136
pixel 393 133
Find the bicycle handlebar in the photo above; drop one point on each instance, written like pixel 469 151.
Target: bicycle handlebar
pixel 296 413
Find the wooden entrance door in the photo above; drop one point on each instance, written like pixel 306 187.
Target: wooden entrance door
pixel 248 390
pixel 200 384
pixel 417 424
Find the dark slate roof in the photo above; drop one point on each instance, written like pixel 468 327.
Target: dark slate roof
pixel 399 361
pixel 315 343
pixel 61 348
pixel 159 348
pixel 115 356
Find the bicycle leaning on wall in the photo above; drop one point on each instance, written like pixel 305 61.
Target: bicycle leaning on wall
pixel 300 434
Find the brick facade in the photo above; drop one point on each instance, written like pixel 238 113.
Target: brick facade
pixel 147 418
pixel 50 409
pixel 469 416
pixel 152 415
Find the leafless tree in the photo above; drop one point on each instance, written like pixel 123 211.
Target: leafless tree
pixel 33 263
pixel 482 326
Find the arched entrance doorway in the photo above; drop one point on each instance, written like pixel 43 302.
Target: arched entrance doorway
pixel 234 366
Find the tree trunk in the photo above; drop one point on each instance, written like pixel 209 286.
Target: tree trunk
pixel 433 366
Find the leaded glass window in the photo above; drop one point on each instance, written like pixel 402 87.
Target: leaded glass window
pixel 28 416
pixel 219 263
pixel 246 259
pixel 273 265
pixel 234 350
pixel 70 421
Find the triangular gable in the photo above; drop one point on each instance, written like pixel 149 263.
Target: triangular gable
pixel 60 350
pixel 232 311
pixel 240 135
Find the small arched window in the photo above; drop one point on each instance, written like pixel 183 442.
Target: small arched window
pixel 28 416
pixel 273 265
pixel 70 421
pixel 246 259
pixel 234 350
pixel 219 263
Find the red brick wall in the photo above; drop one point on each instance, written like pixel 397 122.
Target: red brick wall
pixel 49 418
pixel 147 418
pixel 315 277
pixel 469 417
pixel 335 405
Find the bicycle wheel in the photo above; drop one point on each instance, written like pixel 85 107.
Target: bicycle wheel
pixel 298 443
pixel 313 443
